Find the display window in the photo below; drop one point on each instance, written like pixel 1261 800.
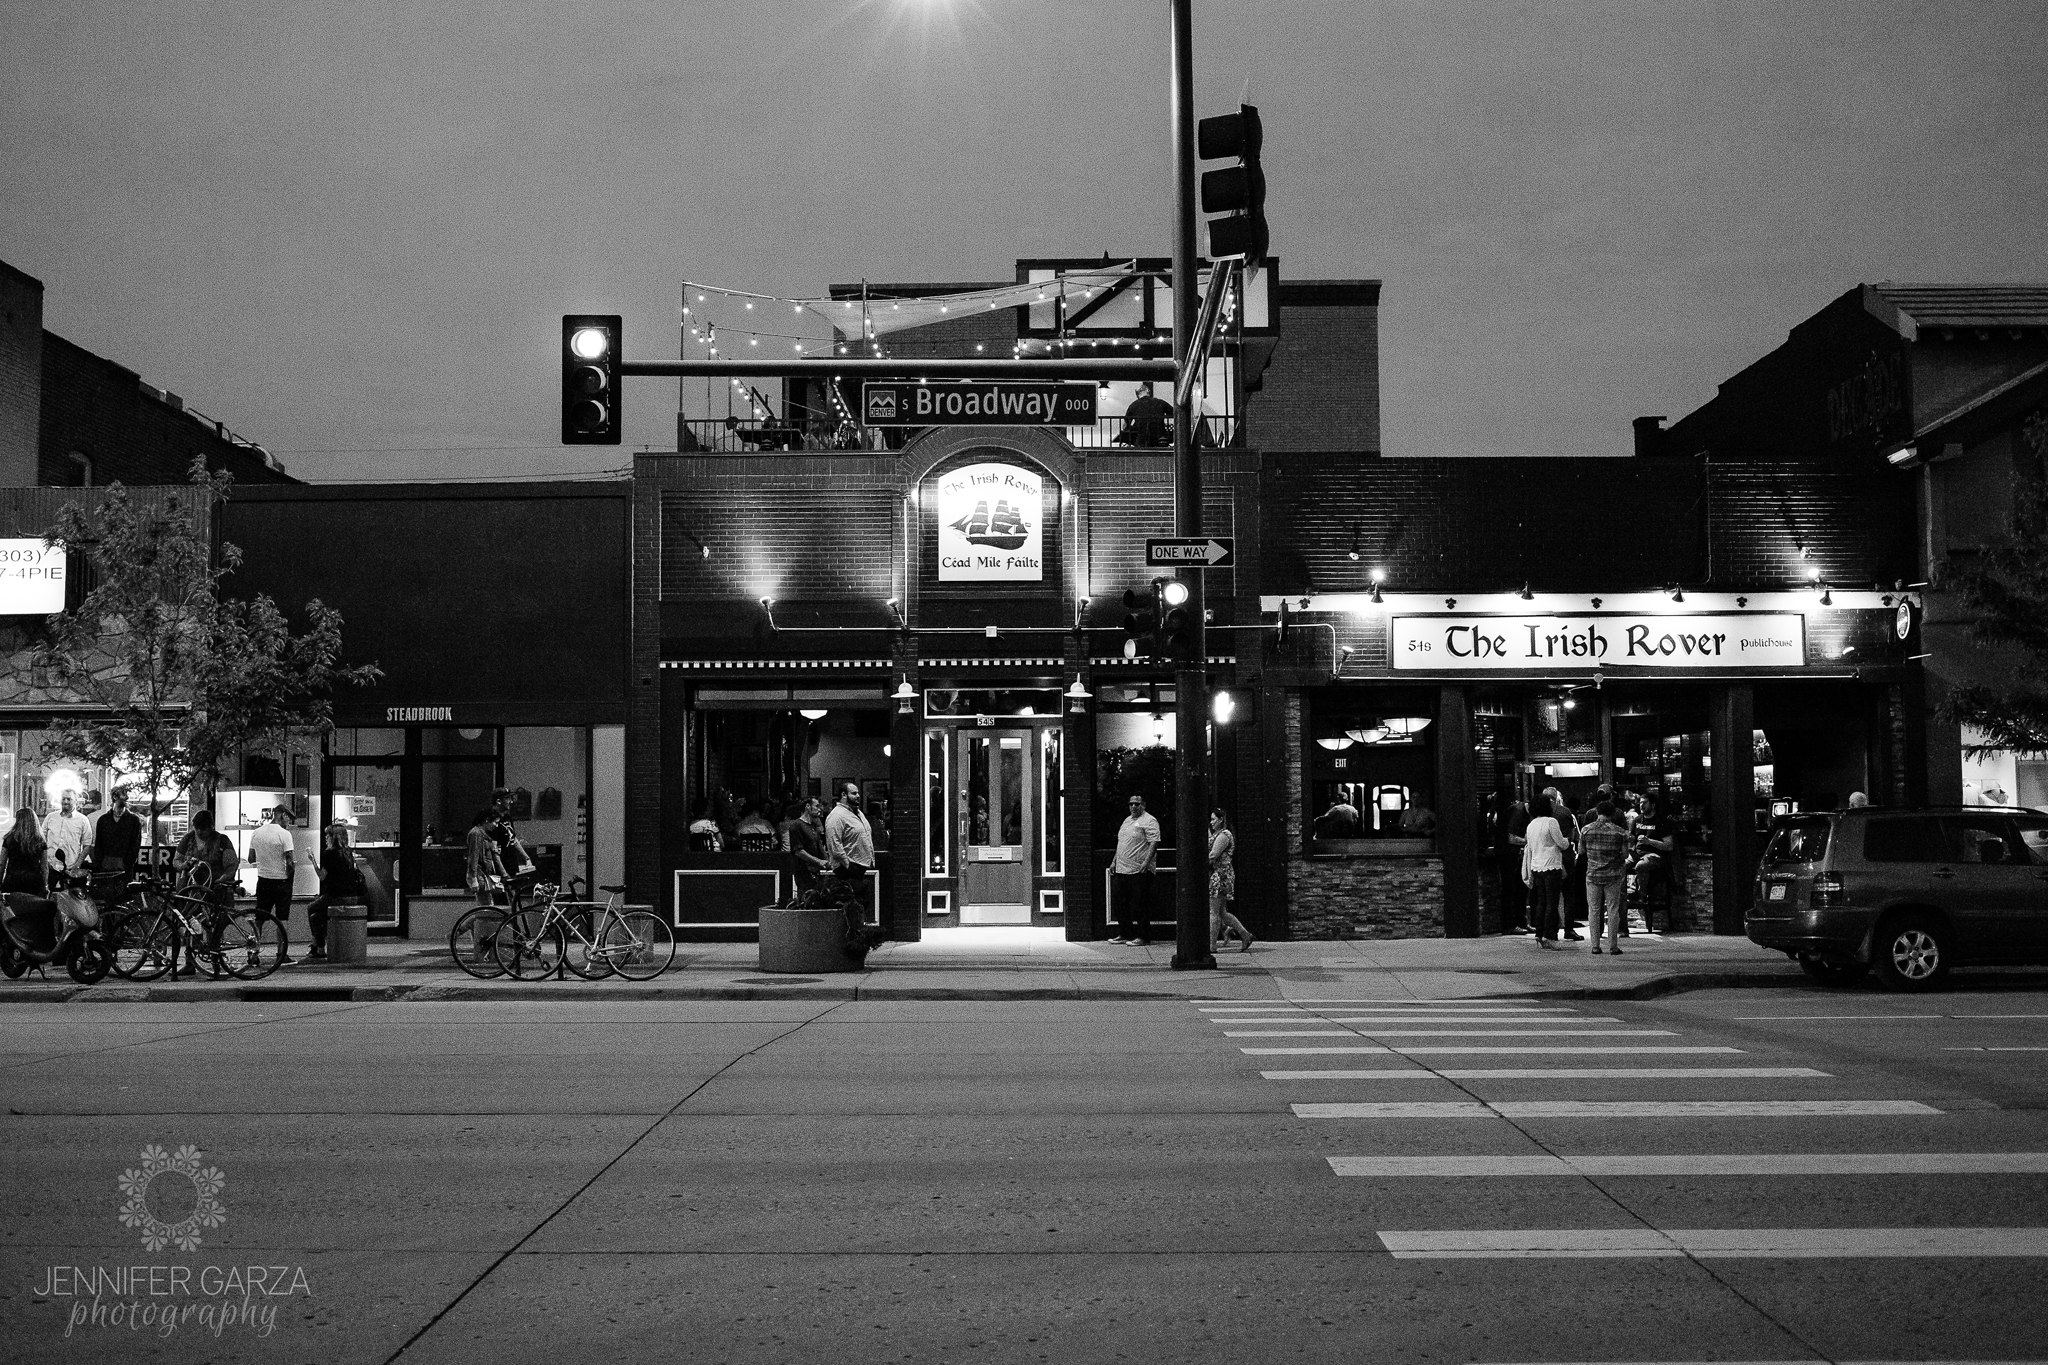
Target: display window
pixel 1372 771
pixel 2000 777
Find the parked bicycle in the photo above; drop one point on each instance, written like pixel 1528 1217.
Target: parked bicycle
pixel 164 924
pixel 593 939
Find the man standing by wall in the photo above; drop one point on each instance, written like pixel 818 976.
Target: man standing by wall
pixel 1603 847
pixel 850 847
pixel 1137 858
pixel 270 848
pixel 66 831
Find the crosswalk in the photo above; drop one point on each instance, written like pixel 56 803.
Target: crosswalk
pixel 1384 1028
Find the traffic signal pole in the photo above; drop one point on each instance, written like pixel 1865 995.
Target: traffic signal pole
pixel 1193 948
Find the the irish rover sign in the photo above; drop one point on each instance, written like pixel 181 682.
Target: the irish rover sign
pixel 991 525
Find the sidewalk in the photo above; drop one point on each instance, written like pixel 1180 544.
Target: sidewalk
pixel 1031 964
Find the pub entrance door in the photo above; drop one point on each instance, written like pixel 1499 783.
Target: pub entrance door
pixel 998 783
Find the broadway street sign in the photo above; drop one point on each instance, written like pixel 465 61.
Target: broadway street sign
pixel 1207 552
pixel 970 404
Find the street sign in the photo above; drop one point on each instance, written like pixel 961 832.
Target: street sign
pixel 1206 552
pixel 972 404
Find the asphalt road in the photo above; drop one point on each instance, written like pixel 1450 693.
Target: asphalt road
pixel 1755 1175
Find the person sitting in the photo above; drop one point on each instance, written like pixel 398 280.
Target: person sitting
pixel 1340 821
pixel 756 832
pixel 704 835
pixel 1147 421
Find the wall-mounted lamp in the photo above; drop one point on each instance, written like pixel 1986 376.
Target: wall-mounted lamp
pixel 1335 743
pixel 896 610
pixel 1827 597
pixel 1570 705
pixel 1378 577
pixel 1813 573
pixel 1077 697
pixel 1354 543
pixel 1525 594
pixel 1376 592
pixel 768 607
pixel 1405 725
pixel 905 696
pixel 1367 734
pixel 1677 593
pixel 814 713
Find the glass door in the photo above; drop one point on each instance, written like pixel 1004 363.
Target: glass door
pixel 365 794
pixel 998 783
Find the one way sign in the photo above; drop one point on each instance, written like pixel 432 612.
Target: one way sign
pixel 1208 552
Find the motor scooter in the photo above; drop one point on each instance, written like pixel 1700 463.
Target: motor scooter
pixel 62 927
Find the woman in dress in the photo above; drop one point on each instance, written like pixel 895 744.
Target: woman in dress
pixel 1223 882
pixel 23 856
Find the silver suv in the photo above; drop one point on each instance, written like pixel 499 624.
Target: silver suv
pixel 1910 893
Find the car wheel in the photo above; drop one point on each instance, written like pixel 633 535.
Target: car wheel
pixel 1832 973
pixel 1911 954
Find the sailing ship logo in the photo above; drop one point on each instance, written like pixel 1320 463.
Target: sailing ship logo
pixel 1004 528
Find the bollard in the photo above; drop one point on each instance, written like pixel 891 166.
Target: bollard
pixel 348 934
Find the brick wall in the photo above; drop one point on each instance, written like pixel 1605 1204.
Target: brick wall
pixel 1354 897
pixel 128 431
pixel 1855 523
pixel 1322 389
pixel 21 375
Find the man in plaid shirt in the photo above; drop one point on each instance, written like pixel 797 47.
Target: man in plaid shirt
pixel 1603 847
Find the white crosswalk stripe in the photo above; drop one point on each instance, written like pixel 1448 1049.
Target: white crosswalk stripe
pixel 1542 1073
pixel 1715 1243
pixel 1612 1109
pixel 1472 1033
pixel 1549 1050
pixel 1561 1050
pixel 1707 1164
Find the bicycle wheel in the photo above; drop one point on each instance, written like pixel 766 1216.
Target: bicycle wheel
pixel 529 947
pixel 639 945
pixel 584 954
pixel 145 944
pixel 472 942
pixel 250 946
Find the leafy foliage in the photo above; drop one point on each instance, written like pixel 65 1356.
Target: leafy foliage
pixel 186 678
pixel 2006 589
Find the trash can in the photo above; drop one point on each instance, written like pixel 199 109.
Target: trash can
pixel 804 941
pixel 348 934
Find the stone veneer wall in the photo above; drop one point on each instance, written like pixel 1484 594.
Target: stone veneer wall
pixel 1353 897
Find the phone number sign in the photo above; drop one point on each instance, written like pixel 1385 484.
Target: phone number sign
pixel 31 578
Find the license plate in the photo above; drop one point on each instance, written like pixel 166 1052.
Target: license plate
pixel 1776 892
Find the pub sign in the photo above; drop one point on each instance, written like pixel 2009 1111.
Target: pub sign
pixel 991 524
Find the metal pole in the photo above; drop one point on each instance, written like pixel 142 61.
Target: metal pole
pixel 1193 949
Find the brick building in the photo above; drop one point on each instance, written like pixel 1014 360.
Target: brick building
pixel 797 624
pixel 69 418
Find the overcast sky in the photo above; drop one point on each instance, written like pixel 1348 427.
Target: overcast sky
pixel 349 230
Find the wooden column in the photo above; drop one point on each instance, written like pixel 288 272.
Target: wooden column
pixel 1733 722
pixel 1457 812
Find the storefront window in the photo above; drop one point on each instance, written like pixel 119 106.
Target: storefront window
pixel 938 804
pixel 1052 793
pixel 1999 777
pixel 1372 770
pixel 1134 743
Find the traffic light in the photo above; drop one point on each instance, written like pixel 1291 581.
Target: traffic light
pixel 590 379
pixel 1177 628
pixel 1142 614
pixel 1240 190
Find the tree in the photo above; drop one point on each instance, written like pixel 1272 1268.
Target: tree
pixel 2006 590
pixel 186 678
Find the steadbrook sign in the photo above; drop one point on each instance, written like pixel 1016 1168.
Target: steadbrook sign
pixel 1593 641
pixel 972 404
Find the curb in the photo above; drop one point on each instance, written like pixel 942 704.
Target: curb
pixel 1673 983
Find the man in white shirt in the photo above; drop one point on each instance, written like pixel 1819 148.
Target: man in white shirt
pixel 270 848
pixel 850 849
pixel 66 830
pixel 1137 857
pixel 1543 860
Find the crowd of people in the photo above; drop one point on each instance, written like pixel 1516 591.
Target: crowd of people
pixel 1562 863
